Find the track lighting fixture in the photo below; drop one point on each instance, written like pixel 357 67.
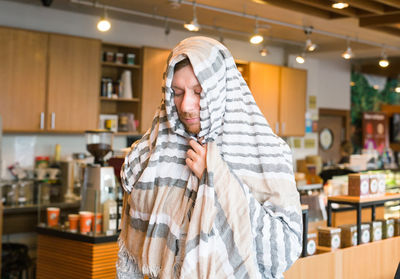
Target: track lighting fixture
pixel 256 38
pixel 340 5
pixel 348 54
pixel 104 24
pixel 309 46
pixel 264 51
pixel 384 62
pixel 193 26
pixel 301 58
pixel 174 4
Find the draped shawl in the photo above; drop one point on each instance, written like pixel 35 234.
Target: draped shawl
pixel 242 219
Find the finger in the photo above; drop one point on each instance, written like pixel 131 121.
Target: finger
pixel 189 163
pixel 192 155
pixel 198 148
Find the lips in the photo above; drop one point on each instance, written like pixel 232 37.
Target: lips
pixel 192 120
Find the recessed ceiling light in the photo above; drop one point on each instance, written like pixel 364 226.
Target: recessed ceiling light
pixel 340 5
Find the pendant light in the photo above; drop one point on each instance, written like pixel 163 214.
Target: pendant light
pixel 104 24
pixel 193 26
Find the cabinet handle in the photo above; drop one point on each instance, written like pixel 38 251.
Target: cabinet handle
pixel 41 120
pixel 277 127
pixel 283 127
pixel 53 120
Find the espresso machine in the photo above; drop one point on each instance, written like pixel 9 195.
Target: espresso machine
pixel 99 180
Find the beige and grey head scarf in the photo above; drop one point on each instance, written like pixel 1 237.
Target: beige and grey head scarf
pixel 243 218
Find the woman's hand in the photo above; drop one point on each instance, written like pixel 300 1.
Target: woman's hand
pixel 197 158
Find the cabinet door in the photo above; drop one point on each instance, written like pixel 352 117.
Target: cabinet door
pixel 264 84
pixel 154 65
pixel 74 77
pixel 22 79
pixel 293 101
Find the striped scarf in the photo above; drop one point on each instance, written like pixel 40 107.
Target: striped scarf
pixel 243 218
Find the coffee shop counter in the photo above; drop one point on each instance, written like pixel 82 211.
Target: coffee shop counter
pixel 62 254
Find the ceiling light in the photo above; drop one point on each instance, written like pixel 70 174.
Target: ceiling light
pixel 264 51
pixel 397 89
pixel 193 26
pixel 300 58
pixel 104 24
pixel 340 5
pixel 309 46
pixel 384 62
pixel 174 4
pixel 256 38
pixel 348 54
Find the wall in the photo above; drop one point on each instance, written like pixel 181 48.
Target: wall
pixel 23 148
pixel 329 81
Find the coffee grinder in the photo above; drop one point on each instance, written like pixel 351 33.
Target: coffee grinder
pixel 99 179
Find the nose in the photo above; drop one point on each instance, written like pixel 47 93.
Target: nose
pixel 188 101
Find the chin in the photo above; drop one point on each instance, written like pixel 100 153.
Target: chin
pixel 193 130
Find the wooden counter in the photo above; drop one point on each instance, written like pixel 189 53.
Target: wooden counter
pixel 372 260
pixel 60 257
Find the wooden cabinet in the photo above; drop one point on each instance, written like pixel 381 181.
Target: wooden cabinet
pixel 50 82
pixel 293 87
pixel 23 59
pixel 115 103
pixel 154 66
pixel 264 84
pixel 73 83
pixel 280 93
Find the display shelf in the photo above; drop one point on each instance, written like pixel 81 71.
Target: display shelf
pixel 105 99
pixel 127 66
pixel 358 203
pixel 112 71
pixel 377 259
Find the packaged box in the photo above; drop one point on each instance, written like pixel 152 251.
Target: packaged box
pixel 358 184
pixel 311 244
pixel 381 184
pixel 329 237
pixel 348 235
pixel 365 233
pixel 376 230
pixel 396 226
pixel 373 184
pixel 387 228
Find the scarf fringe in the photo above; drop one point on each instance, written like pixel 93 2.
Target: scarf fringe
pixel 152 271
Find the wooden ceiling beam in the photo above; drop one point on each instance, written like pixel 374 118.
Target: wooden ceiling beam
pixel 326 6
pixel 387 29
pixel 393 3
pixel 377 20
pixel 369 6
pixel 297 7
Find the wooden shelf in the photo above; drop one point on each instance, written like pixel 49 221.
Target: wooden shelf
pixel 127 133
pixel 135 100
pixel 128 66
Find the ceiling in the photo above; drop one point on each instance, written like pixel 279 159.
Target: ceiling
pixel 369 25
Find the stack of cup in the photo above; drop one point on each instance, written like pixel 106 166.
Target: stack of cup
pixel 53 214
pixel 73 222
pixel 85 221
